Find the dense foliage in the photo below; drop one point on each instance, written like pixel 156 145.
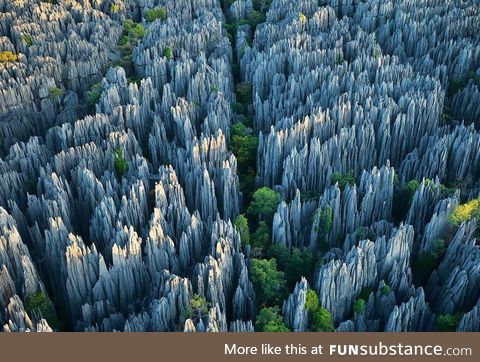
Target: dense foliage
pixel 319 319
pixel 40 303
pixel 270 320
pixel 268 282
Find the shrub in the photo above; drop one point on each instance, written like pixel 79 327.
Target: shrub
pixel 255 18
pixel 133 30
pixel 268 282
pixel 94 94
pixel 238 108
pixel 340 58
pixel 270 320
pixel 247 186
pixel 261 5
pixel 119 162
pixel 365 293
pixel 323 221
pixel 168 53
pixel 319 318
pixel 115 8
pixel 40 303
pixel 27 39
pixel 426 263
pixel 8 56
pixel 54 92
pixel 385 290
pixel 265 203
pixel 343 179
pixel 157 13
pixel 243 91
pixel 361 233
pixel 448 322
pixel 465 212
pixel 300 264
pixel 241 223
pixel 244 147
pixel 359 306
pixel 402 199
pixel 455 86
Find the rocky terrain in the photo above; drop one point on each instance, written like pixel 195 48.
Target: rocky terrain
pixel 239 165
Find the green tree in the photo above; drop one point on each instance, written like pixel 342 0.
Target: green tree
pixel 261 236
pixel 385 289
pixel 268 282
pixel 448 322
pixel 119 162
pixel 133 30
pixel 94 94
pixel 54 93
pixel 359 306
pixel 168 53
pixel 429 261
pixel 27 39
pixel 40 303
pixel 255 18
pixel 402 199
pixel 243 91
pixel 157 13
pixel 264 204
pixel 241 223
pixel 197 309
pixel 323 221
pixel 361 233
pixel 244 147
pixel 270 320
pixel 365 293
pixel 319 318
pixel 300 264
pixel 343 179
pixel 280 253
pixel 238 108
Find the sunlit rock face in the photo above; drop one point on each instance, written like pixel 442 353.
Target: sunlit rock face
pixel 121 180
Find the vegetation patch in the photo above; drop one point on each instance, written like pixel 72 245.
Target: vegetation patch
pixel 465 212
pixel 157 13
pixel 343 179
pixel 270 320
pixel 319 318
pixel 268 282
pixel 42 305
pixel 120 163
pixel 8 57
pixel 448 322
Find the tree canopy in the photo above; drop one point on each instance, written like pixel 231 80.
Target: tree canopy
pixel 265 202
pixel 270 320
pixel 241 223
pixel 320 319
pixel 40 303
pixel 268 282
